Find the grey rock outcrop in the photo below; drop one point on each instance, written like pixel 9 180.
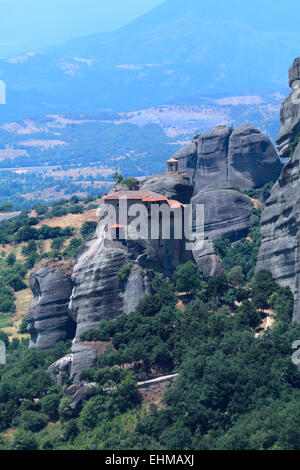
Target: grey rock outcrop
pixel 294 72
pixel 224 158
pixel 280 222
pixel 48 317
pixel 208 262
pixel 252 159
pixel 179 187
pixel 59 367
pixel 173 186
pixel 226 213
pixel 217 163
pixel 98 292
pixel 290 115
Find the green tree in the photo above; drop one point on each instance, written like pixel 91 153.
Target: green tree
pixel 33 421
pixel 11 259
pixel 24 440
pixel 236 275
pixel 188 277
pixel 50 405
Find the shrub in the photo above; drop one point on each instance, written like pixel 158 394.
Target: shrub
pixel 188 277
pixel 236 275
pixel 33 421
pixel 23 326
pixel 11 259
pixel 17 284
pixel 131 182
pixel 88 228
pixel 76 209
pixel 50 404
pixel 124 273
pixel 4 338
pixel 73 249
pixel 64 409
pixel 24 440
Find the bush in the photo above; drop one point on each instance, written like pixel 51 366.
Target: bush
pixel 76 209
pixel 11 259
pixel 188 277
pixel 64 409
pixel 236 275
pixel 248 314
pixel 7 304
pixel 57 244
pixel 50 404
pixel 263 287
pixel 88 228
pixel 41 209
pixel 23 326
pixel 242 294
pixel 17 284
pixel 131 182
pixel 74 248
pixel 33 421
pixel 30 248
pixel 24 440
pixel 4 338
pixel 124 273
pixel 71 430
pixel 26 233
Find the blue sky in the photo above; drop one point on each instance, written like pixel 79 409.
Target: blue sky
pixel 32 24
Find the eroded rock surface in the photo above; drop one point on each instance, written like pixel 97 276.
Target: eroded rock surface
pixel 225 158
pixel 173 186
pixel 290 115
pixel 226 213
pixel 280 223
pixel 48 316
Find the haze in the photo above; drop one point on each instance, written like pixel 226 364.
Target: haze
pixel 33 24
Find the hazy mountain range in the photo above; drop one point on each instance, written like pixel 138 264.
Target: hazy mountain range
pixel 177 50
pixel 129 99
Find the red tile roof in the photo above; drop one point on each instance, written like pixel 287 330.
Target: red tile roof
pixel 145 196
pixel 175 204
pixel 140 195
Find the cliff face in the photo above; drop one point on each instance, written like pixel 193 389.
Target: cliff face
pixel 219 161
pixel 290 114
pixel 48 316
pixel 280 223
pixel 225 158
pixel 173 186
pixel 99 294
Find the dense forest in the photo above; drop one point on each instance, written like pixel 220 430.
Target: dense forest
pixel 237 386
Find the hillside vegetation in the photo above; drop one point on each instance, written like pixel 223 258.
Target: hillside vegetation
pixel 237 386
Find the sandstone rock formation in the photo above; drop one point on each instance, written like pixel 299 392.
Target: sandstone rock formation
pixel 99 294
pixel 290 115
pixel 226 213
pixel 174 186
pixel 220 161
pixel 228 158
pixel 48 317
pixel 280 223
